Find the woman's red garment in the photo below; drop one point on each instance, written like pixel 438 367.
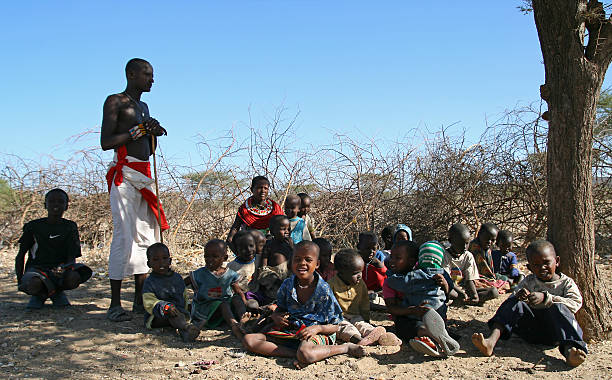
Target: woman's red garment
pixel 256 217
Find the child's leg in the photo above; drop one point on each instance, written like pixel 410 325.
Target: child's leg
pixel 309 352
pixel 238 306
pixel 229 318
pixel 70 280
pixel 35 287
pixel 258 344
pixel 347 332
pixel 506 318
pixel 369 333
pixel 486 294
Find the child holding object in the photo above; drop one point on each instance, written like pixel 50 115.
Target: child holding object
pixel 307 317
pixel 53 245
pixel 164 295
pixel 541 310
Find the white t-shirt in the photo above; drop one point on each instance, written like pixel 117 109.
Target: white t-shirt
pixel 460 268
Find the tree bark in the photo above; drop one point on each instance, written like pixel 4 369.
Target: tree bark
pixel 574 76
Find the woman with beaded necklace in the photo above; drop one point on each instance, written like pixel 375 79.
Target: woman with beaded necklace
pixel 256 211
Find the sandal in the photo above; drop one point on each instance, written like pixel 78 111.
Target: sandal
pixel 424 345
pixel 437 328
pixel 117 314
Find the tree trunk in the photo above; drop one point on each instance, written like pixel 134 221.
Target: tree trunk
pixel 574 76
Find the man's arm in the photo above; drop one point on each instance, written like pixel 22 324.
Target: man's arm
pixel 233 230
pixel 109 138
pixel 19 262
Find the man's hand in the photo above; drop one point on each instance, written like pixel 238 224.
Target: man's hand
pixel 281 320
pixel 154 128
pixel 309 332
pixel 522 294
pixel 535 298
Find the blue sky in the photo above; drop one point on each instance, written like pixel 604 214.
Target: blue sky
pixel 370 68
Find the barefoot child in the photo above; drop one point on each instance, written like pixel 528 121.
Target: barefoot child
pixel 299 230
pixel 326 269
pixel 244 265
pixel 53 245
pixel 352 296
pixel 213 287
pixel 416 297
pixel 482 248
pixel 306 310
pixel 165 296
pixel 542 309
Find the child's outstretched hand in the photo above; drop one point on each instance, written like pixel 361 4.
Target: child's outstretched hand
pixel 281 320
pixel 535 298
pixel 171 311
pixel 441 281
pixel 309 332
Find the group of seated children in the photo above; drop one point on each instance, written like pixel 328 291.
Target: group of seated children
pixel 285 296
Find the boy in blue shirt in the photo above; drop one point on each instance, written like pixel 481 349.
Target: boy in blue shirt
pixel 504 260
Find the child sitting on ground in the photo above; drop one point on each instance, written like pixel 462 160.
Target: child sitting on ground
pixel 352 296
pixel 460 265
pixel 374 273
pixel 214 286
pixel 504 260
pixel 53 245
pixel 273 270
pixel 307 316
pixel 481 249
pixel 164 295
pixel 326 269
pixel 299 230
pixel 542 309
pixel 305 213
pixel 416 297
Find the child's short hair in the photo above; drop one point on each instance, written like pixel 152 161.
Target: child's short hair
pixel 345 258
pixel 258 179
pixel 256 234
pixel 153 247
pixel 324 244
pixel 293 200
pixel 56 190
pixel 431 255
pixel 367 235
pixel 537 246
pixel 218 242
pixel 276 220
pixel 307 244
pixel 410 247
pixel 387 232
pixel 240 234
pixel 457 229
pixel 505 235
pixel 303 196
pixel 491 228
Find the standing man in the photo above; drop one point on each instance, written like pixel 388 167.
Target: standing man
pixel 128 128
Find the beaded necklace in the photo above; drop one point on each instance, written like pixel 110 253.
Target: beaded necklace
pixel 258 210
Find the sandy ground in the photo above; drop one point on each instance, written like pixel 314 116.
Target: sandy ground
pixel 77 342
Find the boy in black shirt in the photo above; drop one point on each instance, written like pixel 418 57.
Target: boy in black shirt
pixel 53 245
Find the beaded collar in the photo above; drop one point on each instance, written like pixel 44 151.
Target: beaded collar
pixel 258 210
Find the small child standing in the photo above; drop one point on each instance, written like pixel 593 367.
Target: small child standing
pixel 164 295
pixel 374 273
pixel 305 213
pixel 214 286
pixel 308 311
pixel 542 309
pixel 504 260
pixel 352 296
pixel 416 297
pixel 326 269
pixel 299 230
pixel 52 244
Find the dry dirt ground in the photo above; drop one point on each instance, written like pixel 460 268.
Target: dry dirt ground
pixel 79 343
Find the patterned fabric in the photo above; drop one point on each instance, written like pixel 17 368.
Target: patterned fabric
pixel 137 132
pixel 256 217
pixel 321 309
pixel 484 263
pixel 209 289
pixel 431 255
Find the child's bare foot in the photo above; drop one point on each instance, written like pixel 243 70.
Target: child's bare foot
pixel 299 365
pixel 190 333
pixel 236 329
pixel 389 339
pixel 373 336
pixel 484 345
pixel 355 350
pixel 575 357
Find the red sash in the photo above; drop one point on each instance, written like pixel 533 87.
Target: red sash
pixel 258 222
pixel 116 172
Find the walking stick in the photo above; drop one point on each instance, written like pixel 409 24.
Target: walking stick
pixel 161 236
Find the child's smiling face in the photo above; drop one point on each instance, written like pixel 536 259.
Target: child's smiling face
pixel 246 247
pixel 402 259
pixel 160 261
pixel 305 261
pixel 214 256
pixel 282 230
pixel 55 204
pixel 543 263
